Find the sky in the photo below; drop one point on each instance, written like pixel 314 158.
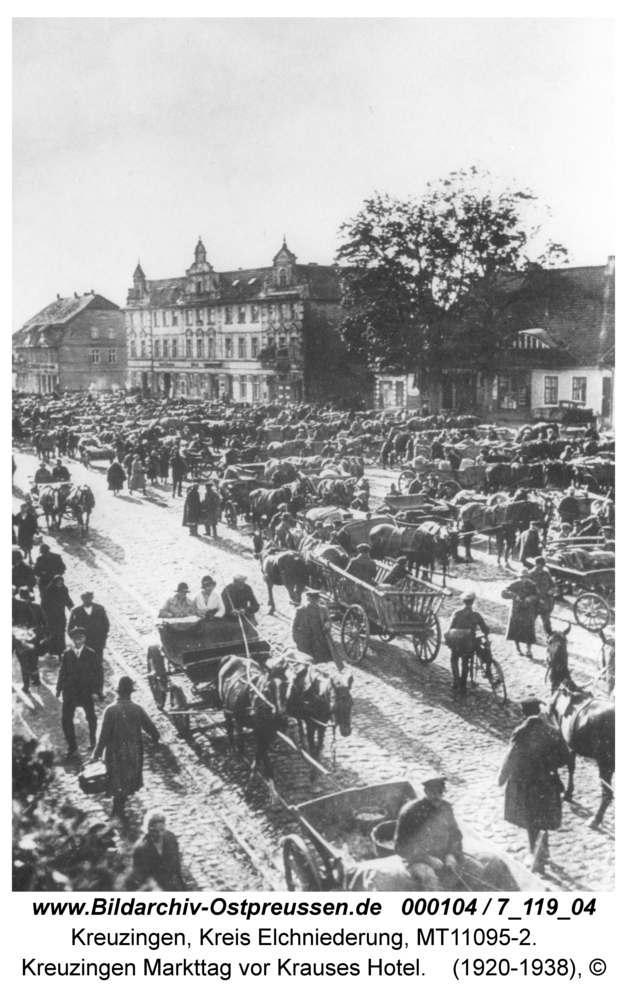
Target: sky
pixel 132 137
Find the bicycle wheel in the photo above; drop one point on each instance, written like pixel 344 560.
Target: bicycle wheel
pixel 496 677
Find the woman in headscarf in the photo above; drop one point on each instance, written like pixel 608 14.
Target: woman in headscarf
pixel 525 599
pixel 137 478
pixel 116 476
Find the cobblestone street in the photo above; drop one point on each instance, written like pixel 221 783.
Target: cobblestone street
pixel 405 718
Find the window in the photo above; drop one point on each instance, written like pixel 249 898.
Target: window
pixel 188 317
pixel 241 314
pixel 199 288
pixel 294 311
pixel 241 347
pixel 164 318
pixel 133 349
pixel 228 347
pixel 155 317
pixel 579 389
pixel 255 388
pixel 166 348
pixel 282 278
pixel 95 333
pixel 189 353
pixel 270 343
pixel 210 348
pixel 254 347
pixel 254 314
pixel 142 349
pixel 113 355
pixel 210 315
pixel 294 353
pixel 199 350
pixel 157 348
pixel 175 318
pixel 95 356
pixel 111 333
pixel 228 315
pixel 551 388
pixel 200 317
pixel 174 347
pixel 243 387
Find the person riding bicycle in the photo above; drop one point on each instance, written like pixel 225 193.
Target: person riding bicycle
pixel 461 639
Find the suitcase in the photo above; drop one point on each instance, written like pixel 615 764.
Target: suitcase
pixel 93 778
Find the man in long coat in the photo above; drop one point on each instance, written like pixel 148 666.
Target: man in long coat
pixel 211 507
pixel 121 743
pixel 77 683
pixel 533 789
pixel 363 566
pixel 524 596
pixel 193 511
pixel 26 525
pixel 47 565
pixel 31 625
pixel 530 544
pixel 311 629
pixel 543 580
pixel 94 619
pixel 55 598
pixel 179 468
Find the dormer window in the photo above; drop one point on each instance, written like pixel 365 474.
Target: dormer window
pixel 199 288
pixel 282 278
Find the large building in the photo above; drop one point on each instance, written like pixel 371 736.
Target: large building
pixel 73 344
pixel 261 335
pixel 562 352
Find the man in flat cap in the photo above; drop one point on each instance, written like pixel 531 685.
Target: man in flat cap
pixel 311 630
pixel 94 619
pixel 77 683
pixel 533 788
pixel 460 637
pixel 530 544
pixel 239 596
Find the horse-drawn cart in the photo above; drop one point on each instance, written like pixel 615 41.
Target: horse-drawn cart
pixel 471 477
pixel 342 830
pixel 409 608
pixel 196 648
pixel 582 567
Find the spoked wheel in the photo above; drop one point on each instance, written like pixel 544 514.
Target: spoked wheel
pixel 355 634
pixel 301 871
pixel 230 514
pixel 592 612
pixel 496 677
pixel 427 642
pixel 178 703
pixel 406 477
pixel 158 688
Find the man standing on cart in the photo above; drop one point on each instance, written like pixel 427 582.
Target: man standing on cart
pixel 461 635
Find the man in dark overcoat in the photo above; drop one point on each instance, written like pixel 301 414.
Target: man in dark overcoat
pixel 211 507
pixel 30 623
pixel 47 565
pixel 121 743
pixel 178 466
pixel 530 544
pixel 77 684
pixel 239 596
pixel 193 511
pixel 312 628
pixel 533 788
pixel 55 598
pixel 94 619
pixel 363 566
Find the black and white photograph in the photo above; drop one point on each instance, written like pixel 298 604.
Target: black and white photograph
pixel 313 425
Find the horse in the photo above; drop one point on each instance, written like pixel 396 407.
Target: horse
pixel 319 701
pixel 284 568
pixel 587 723
pixel 52 500
pixel 253 698
pixel 419 547
pixel 79 502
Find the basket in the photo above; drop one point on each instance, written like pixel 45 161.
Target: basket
pixel 93 778
pixel 383 838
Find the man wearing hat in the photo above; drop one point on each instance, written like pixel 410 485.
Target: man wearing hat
pixel 121 742
pixel 60 472
pixel 239 596
pixel 29 631
pixel 568 507
pixel 78 681
pixel 524 596
pixel 26 524
pixel 312 628
pixel 530 544
pixel 43 474
pixel 533 788
pixel 211 507
pixel 363 566
pixel 47 565
pixel 179 606
pixel 94 619
pixel 543 580
pixel 465 621
pixel 22 574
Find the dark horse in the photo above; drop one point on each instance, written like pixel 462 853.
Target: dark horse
pixel 284 568
pixel 318 700
pixel 80 502
pixel 587 723
pixel 253 698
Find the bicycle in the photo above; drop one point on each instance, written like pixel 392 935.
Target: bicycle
pixel 491 669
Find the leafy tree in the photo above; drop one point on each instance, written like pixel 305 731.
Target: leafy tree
pixel 427 279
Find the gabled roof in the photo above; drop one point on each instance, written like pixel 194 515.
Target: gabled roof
pixel 244 285
pixel 48 324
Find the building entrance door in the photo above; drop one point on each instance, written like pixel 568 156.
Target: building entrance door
pixel 606 398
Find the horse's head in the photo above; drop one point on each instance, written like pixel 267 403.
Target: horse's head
pixel 557 671
pixel 343 703
pixel 278 683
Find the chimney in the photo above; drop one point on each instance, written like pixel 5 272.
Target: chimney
pixel 92 292
pixel 610 267
pixel 58 297
pixel 75 295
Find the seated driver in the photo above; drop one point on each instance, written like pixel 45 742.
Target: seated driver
pixel 179 606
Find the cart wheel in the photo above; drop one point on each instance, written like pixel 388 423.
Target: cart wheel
pixel 496 677
pixel 355 634
pixel 406 477
pixel 158 688
pixel 592 612
pixel 427 643
pixel 230 514
pixel 301 872
pixel 178 703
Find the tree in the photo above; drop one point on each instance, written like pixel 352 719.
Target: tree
pixel 425 280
